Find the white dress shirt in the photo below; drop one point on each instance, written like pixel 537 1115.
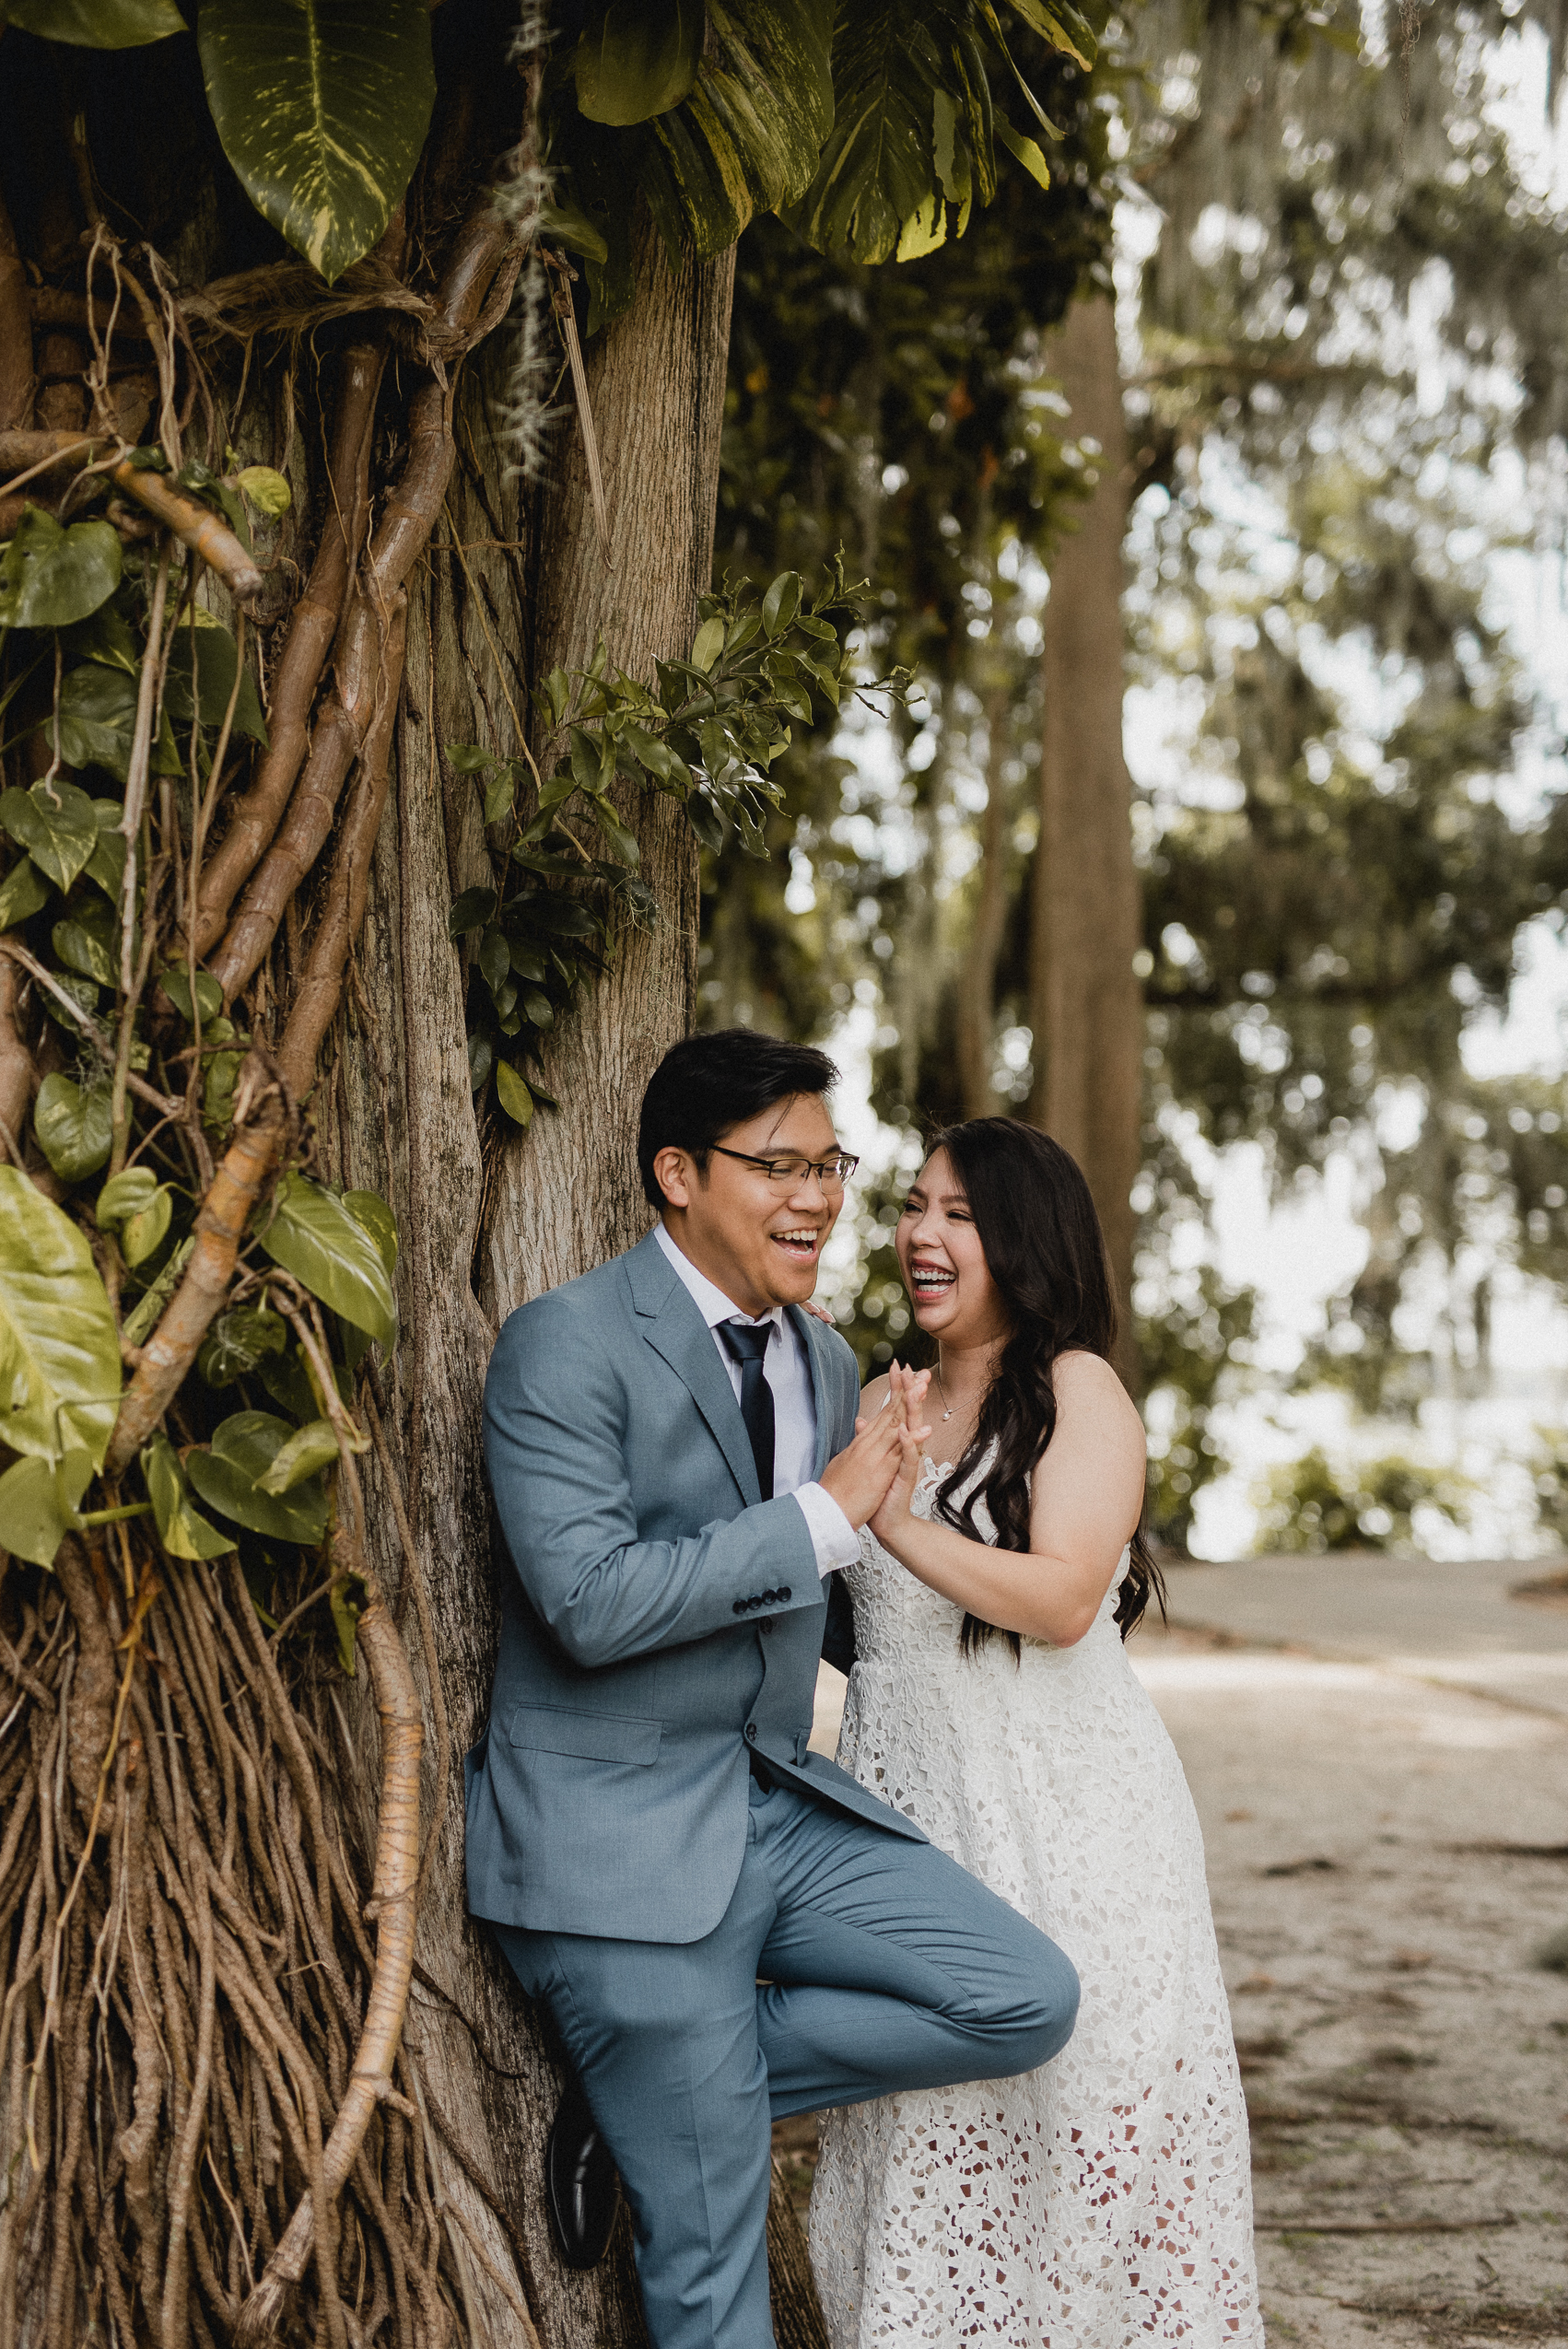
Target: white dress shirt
pixel 789 1374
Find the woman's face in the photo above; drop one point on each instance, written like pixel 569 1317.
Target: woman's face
pixel 944 1263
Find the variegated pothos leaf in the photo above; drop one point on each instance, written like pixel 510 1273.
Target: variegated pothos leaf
pixel 322 107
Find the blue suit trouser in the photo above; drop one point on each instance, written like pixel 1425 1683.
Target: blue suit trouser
pixel 884 1966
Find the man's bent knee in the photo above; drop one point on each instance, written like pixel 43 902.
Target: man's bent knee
pixel 1032 2020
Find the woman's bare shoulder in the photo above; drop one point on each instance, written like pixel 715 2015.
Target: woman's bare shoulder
pixel 1087 1382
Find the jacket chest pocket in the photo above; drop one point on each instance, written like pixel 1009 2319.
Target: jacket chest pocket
pixel 590 1736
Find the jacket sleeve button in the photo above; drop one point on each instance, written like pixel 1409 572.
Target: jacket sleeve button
pixel 750 1733
pixel 783 1593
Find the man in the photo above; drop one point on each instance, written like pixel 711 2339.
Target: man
pixel 678 1468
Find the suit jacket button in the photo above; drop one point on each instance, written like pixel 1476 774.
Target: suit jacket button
pixel 739 1608
pixel 766 1623
pixel 783 1592
pixel 750 1733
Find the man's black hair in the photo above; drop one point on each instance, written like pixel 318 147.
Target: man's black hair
pixel 708 1084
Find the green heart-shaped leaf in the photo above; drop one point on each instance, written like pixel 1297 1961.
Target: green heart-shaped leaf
pixel 226 1478
pixel 317 1239
pixel 55 824
pixel 75 1125
pixel 23 893
pixel 237 1341
pixel 124 1195
pixel 50 576
pixel 308 1450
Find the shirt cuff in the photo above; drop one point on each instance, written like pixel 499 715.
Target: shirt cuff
pixel 834 1538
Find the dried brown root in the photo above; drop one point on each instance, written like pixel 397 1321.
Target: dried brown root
pixel 394 1888
pixel 249 1164
pixel 312 625
pixel 320 988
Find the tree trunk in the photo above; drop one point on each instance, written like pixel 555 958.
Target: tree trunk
pixel 976 973
pixel 1085 1002
pixel 568 1195
pixel 486 1228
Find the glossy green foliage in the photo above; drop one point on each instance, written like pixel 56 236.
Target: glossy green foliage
pixel 637 58
pixel 51 575
pixel 317 1238
pixel 59 1351
pixel 708 733
pixel 322 107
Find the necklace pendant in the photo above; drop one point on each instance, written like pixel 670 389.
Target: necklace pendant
pixel 946 1415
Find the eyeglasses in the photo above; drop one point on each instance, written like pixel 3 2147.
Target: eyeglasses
pixel 831 1173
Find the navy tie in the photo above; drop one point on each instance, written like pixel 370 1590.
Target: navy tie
pixel 747 1344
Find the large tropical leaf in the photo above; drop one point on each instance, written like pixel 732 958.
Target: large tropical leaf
pixel 322 107
pixel 637 58
pixel 911 131
pixel 59 1352
pixel 95 24
pixel 226 1478
pixel 744 140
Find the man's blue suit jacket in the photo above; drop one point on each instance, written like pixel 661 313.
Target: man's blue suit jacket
pixel 664 1617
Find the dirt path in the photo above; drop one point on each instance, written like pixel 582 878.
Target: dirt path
pixel 1386 1857
pixel 1386 1854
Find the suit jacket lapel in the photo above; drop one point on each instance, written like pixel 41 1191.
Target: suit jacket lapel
pixel 804 1328
pixel 678 1334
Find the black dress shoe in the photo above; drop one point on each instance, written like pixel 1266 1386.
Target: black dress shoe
pixel 582 2188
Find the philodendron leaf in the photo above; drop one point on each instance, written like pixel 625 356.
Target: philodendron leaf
pixel 637 58
pixel 306 1454
pixel 322 107
pixel 216 662
pixel 38 1505
pixel 227 1479
pixel 317 1239
pixel 75 1125
pixel 51 575
pixel 182 1527
pixel 96 24
pixel 55 822
pixel 59 1350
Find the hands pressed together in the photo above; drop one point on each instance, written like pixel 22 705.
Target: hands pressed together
pixel 873 1479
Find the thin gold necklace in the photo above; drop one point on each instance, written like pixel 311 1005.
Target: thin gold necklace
pixel 947 1412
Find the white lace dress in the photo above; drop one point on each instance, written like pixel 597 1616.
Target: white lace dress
pixel 1105 2200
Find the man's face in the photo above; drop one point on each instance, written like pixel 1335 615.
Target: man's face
pixel 757 1240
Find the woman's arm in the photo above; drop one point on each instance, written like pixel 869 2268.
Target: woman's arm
pixel 1087 1496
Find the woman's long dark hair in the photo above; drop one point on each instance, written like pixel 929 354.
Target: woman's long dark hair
pixel 1047 1254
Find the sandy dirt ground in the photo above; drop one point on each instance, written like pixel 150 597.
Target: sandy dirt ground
pixel 1388 1852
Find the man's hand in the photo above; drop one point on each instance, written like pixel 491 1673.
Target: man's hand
pixel 859 1477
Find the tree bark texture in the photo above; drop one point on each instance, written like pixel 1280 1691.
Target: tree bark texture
pixel 1085 1002
pixel 516 583
pixel 976 970
pixel 567 1194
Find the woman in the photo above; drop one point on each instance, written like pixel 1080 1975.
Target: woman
pixel 1105 2200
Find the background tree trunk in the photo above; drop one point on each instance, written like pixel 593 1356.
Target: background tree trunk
pixel 978 968
pixel 1085 1001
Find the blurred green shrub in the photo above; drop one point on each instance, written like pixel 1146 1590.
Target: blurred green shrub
pixel 1309 1506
